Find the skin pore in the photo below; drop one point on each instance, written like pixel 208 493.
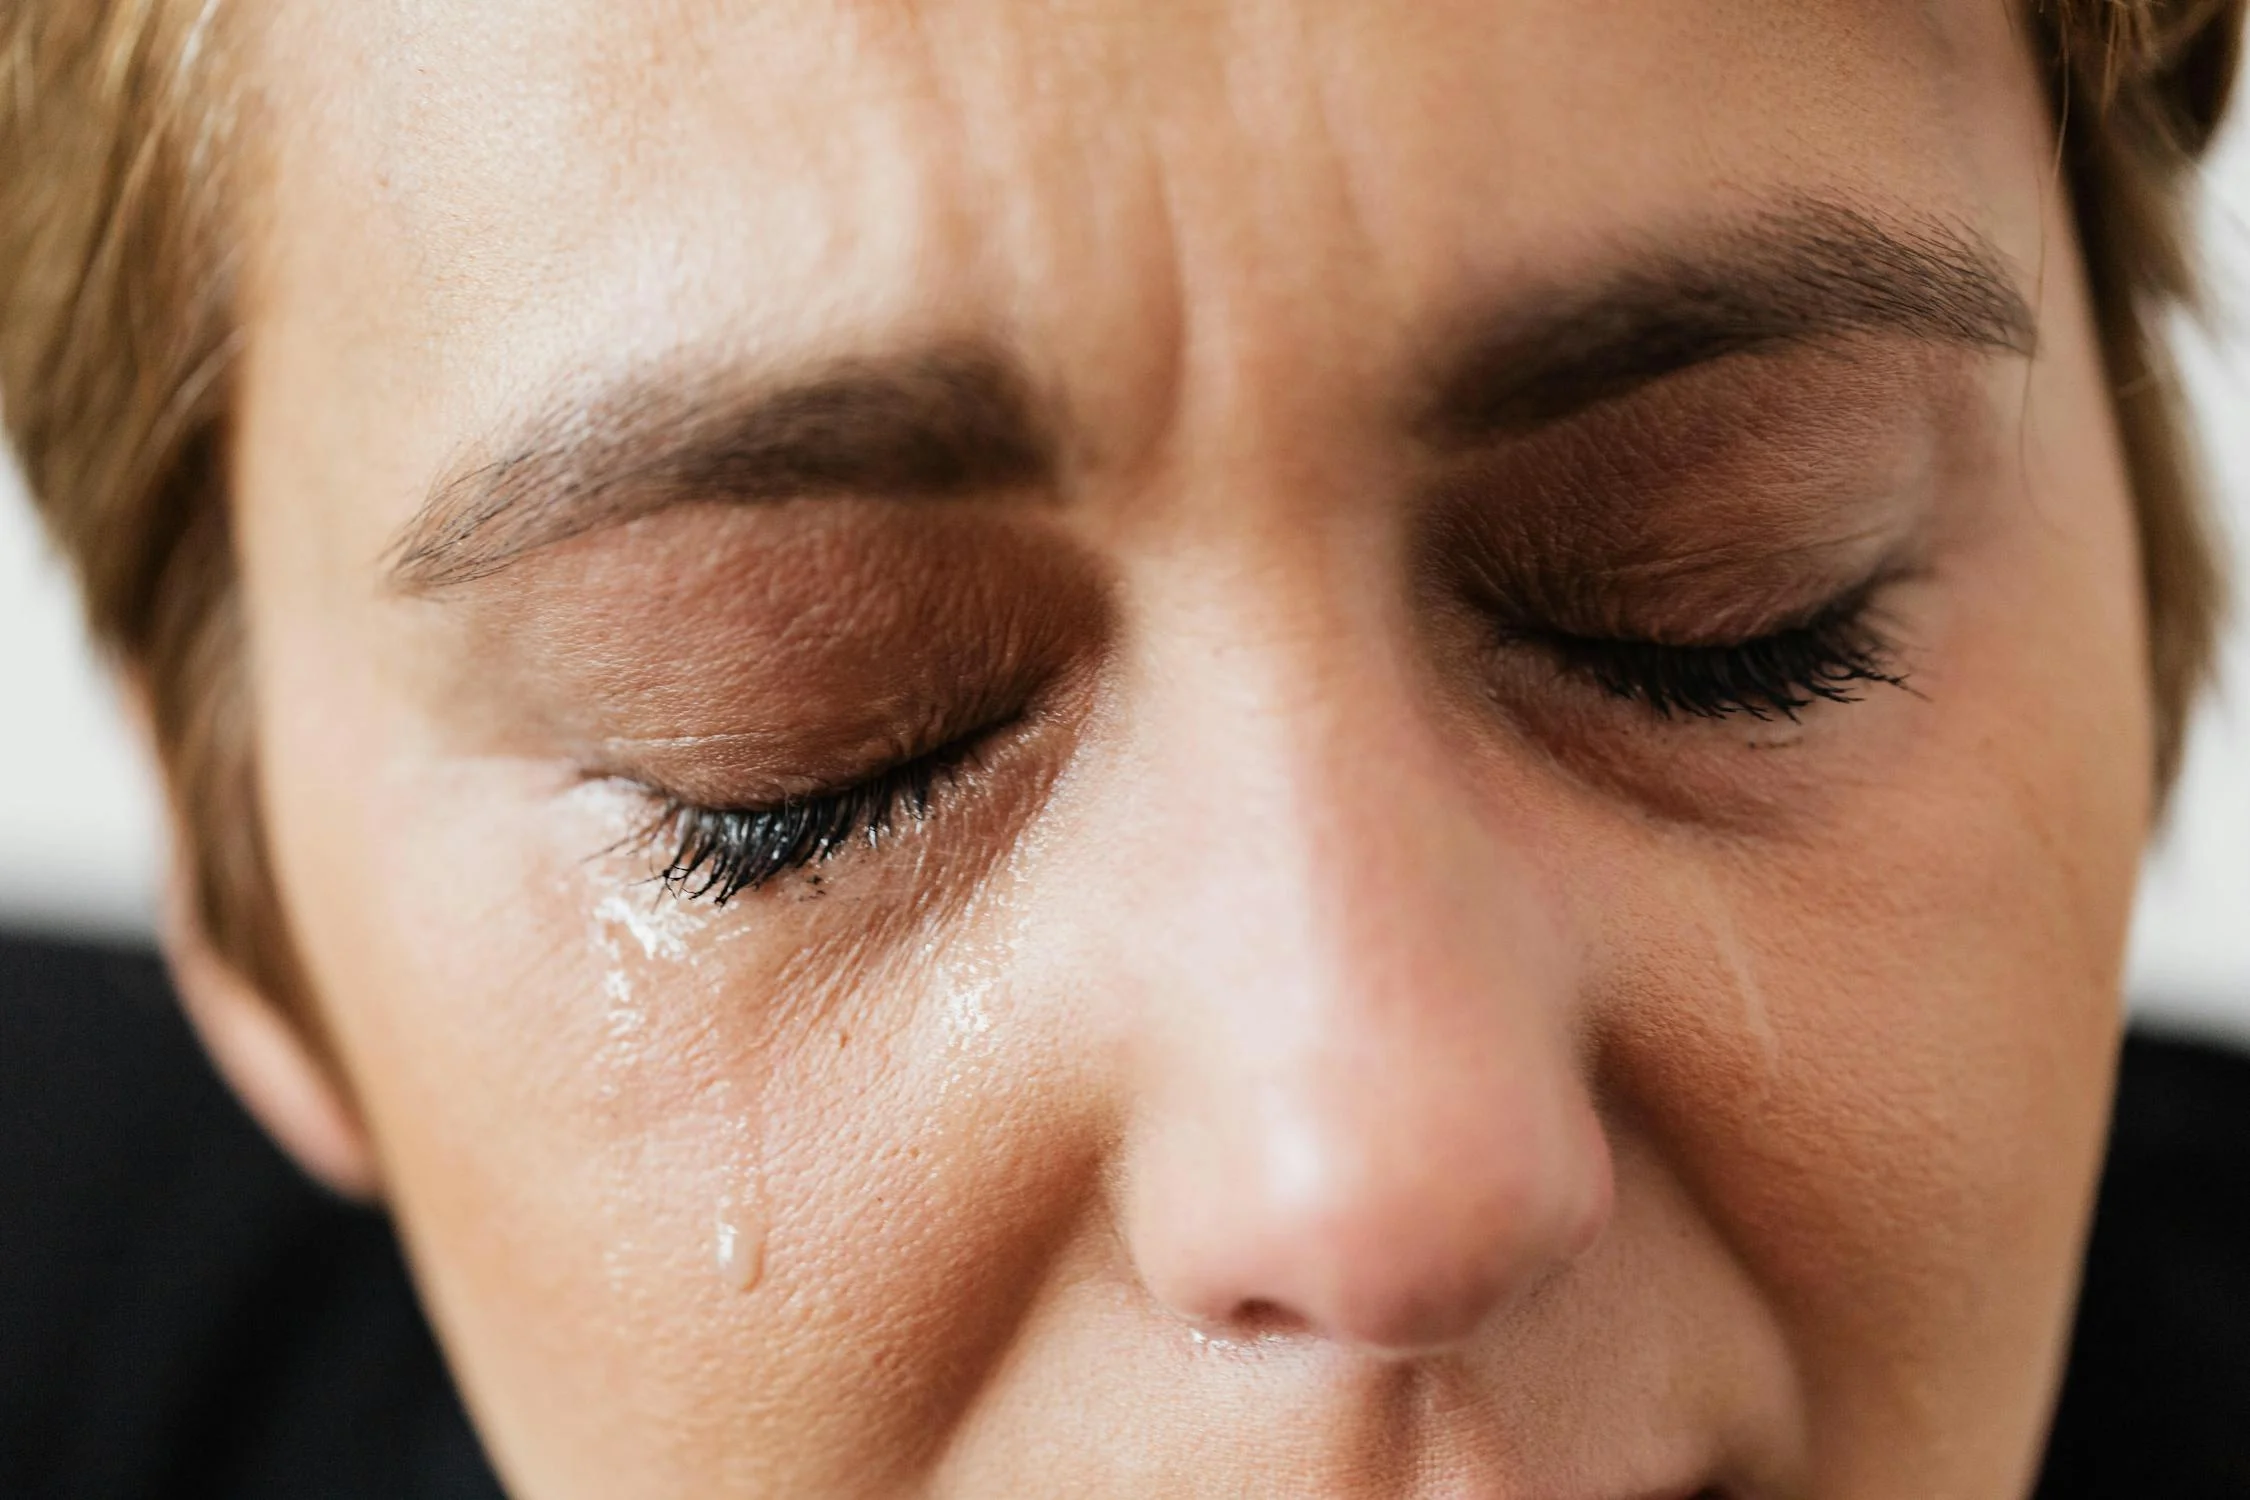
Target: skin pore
pixel 1423 727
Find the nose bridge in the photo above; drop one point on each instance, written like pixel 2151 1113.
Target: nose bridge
pixel 1359 1110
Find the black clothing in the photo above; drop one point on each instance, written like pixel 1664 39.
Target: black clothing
pixel 2156 1401
pixel 183 1315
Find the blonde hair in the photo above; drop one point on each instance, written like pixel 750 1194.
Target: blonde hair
pixel 116 337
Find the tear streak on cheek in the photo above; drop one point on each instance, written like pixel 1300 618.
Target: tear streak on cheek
pixel 1735 960
pixel 644 941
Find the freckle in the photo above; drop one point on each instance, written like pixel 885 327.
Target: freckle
pixel 843 1040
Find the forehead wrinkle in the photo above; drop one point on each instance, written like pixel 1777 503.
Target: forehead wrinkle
pixel 906 32
pixel 1046 100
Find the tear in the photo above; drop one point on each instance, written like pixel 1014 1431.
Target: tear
pixel 739 1244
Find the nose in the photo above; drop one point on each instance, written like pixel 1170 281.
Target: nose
pixel 1359 1113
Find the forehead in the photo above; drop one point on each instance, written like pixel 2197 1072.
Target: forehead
pixel 476 203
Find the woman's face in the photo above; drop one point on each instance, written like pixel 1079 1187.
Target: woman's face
pixel 1201 749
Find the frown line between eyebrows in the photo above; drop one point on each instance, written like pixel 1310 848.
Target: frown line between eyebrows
pixel 959 420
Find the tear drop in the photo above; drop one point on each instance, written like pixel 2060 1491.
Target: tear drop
pixel 741 1247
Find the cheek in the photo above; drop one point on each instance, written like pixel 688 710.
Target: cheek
pixel 1880 1049
pixel 771 1158
pixel 562 1113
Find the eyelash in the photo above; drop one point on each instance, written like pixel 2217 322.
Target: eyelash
pixel 1830 658
pixel 720 852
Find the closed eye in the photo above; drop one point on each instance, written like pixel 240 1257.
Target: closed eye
pixel 717 853
pixel 1832 657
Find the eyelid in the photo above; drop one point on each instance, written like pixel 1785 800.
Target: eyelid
pixel 721 852
pixel 1759 492
pixel 758 769
pixel 721 849
pixel 1829 654
pixel 1746 619
pixel 1001 742
pixel 793 752
pixel 1781 675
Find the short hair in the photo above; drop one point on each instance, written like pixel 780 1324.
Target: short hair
pixel 119 134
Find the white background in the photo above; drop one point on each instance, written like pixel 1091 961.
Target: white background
pixel 79 841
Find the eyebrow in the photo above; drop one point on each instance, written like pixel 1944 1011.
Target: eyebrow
pixel 945 421
pixel 1806 273
pixel 959 419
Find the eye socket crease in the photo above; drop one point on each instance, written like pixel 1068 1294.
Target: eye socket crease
pixel 961 419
